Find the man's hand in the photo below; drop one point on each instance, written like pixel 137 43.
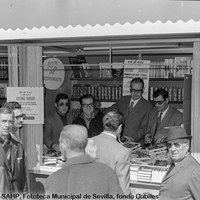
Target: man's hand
pixel 159 138
pixel 148 138
pixel 56 147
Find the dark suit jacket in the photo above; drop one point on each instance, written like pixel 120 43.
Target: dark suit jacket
pixel 82 175
pixel 5 175
pixel 52 128
pixel 136 121
pixel 115 155
pixel 96 124
pixel 183 182
pixel 173 117
pixel 16 163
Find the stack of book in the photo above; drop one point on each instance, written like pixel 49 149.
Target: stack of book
pixel 148 173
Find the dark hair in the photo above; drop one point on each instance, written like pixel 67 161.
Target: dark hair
pixel 161 92
pixel 137 80
pixel 112 120
pixel 86 96
pixel 61 96
pixel 12 105
pixel 6 110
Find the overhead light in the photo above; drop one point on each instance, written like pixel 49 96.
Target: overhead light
pixel 131 47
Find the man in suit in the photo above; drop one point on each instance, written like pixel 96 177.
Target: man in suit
pixel 111 152
pixel 162 117
pixel 81 174
pixel 56 121
pixel 182 181
pixel 6 122
pixel 17 157
pixel 135 110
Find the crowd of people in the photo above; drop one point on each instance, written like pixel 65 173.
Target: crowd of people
pixel 95 162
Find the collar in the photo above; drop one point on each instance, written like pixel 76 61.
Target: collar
pixel 110 134
pixel 134 101
pixel 83 159
pixel 164 112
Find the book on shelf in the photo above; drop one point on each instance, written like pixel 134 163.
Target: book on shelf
pixel 117 70
pixel 182 66
pixel 3 70
pixel 105 70
pixel 3 90
pixel 77 66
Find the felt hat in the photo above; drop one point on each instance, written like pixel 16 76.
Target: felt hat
pixel 177 132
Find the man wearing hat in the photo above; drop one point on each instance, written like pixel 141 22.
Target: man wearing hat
pixel 182 180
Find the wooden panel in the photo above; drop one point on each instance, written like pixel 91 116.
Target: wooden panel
pixel 195 111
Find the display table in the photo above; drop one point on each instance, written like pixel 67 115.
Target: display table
pixel 37 178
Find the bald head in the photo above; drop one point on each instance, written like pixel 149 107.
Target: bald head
pixel 73 138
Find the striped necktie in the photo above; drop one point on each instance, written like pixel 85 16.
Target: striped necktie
pixel 130 107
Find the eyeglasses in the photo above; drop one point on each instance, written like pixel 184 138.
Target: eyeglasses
pixel 23 116
pixel 158 102
pixel 63 104
pixel 91 105
pixel 136 91
pixel 176 144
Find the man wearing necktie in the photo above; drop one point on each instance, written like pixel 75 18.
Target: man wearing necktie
pixel 182 180
pixel 161 118
pixel 135 115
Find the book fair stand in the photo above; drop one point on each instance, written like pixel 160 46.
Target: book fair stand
pixel 92 42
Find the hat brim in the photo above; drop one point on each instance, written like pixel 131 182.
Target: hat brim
pixel 189 137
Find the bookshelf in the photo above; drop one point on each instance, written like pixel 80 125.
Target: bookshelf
pixel 105 80
pixel 3 80
pixel 103 89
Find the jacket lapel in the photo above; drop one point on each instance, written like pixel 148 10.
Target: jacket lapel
pixel 179 167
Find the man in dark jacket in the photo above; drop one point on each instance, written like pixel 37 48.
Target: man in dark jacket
pixel 90 117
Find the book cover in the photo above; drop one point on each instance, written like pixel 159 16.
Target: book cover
pixel 77 68
pixel 181 66
pixel 117 70
pixel 105 70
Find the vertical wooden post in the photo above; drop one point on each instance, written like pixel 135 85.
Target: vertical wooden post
pixel 13 66
pixel 31 76
pixel 195 110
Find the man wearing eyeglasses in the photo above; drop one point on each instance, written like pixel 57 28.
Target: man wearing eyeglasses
pixel 135 110
pixel 15 150
pixel 182 180
pixel 55 122
pixel 90 117
pixel 161 117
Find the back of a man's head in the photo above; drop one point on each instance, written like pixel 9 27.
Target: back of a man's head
pixel 74 138
pixel 112 120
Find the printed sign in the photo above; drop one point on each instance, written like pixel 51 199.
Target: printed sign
pixel 31 100
pixel 54 73
pixel 136 68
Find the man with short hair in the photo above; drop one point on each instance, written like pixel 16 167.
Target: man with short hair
pixel 55 121
pixel 182 181
pixel 80 174
pixel 111 152
pixel 135 110
pixel 90 117
pixel 162 117
pixel 17 153
pixel 6 122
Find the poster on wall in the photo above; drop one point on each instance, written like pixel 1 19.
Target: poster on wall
pixel 31 100
pixel 54 73
pixel 136 68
